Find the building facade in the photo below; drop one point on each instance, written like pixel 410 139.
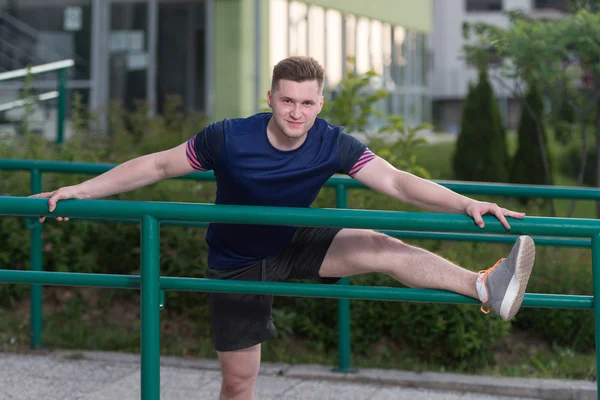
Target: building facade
pixel 451 75
pixel 217 55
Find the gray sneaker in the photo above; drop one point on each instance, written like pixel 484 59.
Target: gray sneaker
pixel 507 280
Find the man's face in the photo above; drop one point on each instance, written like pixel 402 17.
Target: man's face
pixel 295 106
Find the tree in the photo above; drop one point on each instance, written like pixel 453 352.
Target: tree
pixel 553 55
pixel 477 156
pixel 564 120
pixel 527 166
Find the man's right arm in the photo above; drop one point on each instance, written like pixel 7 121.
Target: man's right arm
pixel 197 154
pixel 137 173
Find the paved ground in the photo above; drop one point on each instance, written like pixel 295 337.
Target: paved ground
pixel 99 376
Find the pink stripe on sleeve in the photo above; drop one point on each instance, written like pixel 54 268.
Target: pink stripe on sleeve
pixel 192 157
pixel 362 161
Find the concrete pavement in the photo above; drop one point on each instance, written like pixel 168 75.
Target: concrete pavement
pixel 68 375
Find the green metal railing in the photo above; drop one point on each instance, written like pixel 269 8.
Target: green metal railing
pixel 340 184
pixel 61 68
pixel 150 283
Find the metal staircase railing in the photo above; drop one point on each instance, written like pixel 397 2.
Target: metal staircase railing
pixel 18 43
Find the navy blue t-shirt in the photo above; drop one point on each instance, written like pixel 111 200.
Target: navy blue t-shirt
pixel 249 170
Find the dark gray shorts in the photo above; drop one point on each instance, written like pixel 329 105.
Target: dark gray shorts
pixel 240 320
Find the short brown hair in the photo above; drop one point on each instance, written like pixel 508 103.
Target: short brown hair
pixel 298 69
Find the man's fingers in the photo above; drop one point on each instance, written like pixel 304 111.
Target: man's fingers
pixel 477 218
pixel 500 215
pixel 43 195
pixel 514 214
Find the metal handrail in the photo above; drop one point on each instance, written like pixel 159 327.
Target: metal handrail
pixel 20 103
pixel 59 67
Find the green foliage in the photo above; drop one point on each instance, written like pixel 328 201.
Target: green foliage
pixel 570 162
pixel 528 163
pixel 552 54
pixel 563 124
pixel 353 106
pixel 457 336
pixel 568 273
pixel 481 152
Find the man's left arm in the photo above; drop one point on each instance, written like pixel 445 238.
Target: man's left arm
pixel 384 178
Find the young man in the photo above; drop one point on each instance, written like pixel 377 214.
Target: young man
pixel 283 158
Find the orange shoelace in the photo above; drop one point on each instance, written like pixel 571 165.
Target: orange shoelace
pixel 483 279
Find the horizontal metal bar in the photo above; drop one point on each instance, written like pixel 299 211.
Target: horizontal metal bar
pixel 496 189
pixel 281 289
pixel 21 103
pixel 282 216
pixel 462 237
pixel 38 69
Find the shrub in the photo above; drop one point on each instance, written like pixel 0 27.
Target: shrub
pixel 563 124
pixel 481 152
pixel 528 163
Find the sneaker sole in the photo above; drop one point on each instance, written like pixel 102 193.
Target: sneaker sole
pixel 518 283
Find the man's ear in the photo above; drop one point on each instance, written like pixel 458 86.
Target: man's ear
pixel 269 96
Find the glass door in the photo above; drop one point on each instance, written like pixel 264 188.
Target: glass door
pixel 128 57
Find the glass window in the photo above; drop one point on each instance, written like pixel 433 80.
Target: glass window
pixel 398 60
pixel 333 66
pixel 362 46
pixel 561 5
pixel 387 56
pixel 350 36
pixel 298 29
pixel 128 57
pixel 316 32
pixel 483 5
pixel 376 47
pixel 278 30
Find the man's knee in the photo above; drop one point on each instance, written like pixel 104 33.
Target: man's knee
pixel 239 370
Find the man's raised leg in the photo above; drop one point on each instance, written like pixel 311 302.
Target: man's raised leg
pixel 239 369
pixel 358 251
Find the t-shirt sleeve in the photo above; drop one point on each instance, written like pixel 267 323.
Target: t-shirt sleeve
pixel 204 148
pixel 354 154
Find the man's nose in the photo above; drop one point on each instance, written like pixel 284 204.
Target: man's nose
pixel 296 112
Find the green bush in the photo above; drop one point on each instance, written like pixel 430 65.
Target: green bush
pixel 563 124
pixel 481 151
pixel 561 271
pixel 570 162
pixel 528 163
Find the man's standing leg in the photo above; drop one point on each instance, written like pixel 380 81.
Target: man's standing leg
pixel 240 322
pixel 239 369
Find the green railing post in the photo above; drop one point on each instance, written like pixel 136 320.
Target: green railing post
pixel 344 351
pixel 62 105
pixel 36 264
pixel 596 288
pixel 150 292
